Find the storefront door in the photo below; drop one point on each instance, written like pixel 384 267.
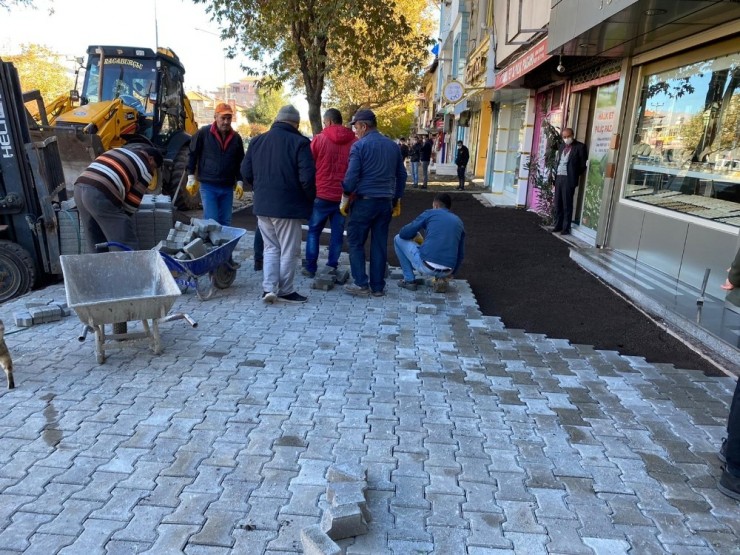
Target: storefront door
pixel 602 126
pixel 549 106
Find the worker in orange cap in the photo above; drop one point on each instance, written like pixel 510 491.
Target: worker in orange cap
pixel 216 154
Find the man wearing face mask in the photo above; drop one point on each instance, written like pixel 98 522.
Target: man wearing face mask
pixel 376 179
pixel 571 163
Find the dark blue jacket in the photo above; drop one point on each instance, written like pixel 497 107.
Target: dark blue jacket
pixel 280 168
pixel 375 168
pixel 217 163
pixel 444 237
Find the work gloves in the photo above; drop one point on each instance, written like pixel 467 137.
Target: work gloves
pixel 239 190
pixel 419 239
pixel 192 186
pixel 396 208
pixel 154 182
pixel 344 206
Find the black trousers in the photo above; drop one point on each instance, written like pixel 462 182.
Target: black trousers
pixel 563 203
pixel 461 176
pixel 733 433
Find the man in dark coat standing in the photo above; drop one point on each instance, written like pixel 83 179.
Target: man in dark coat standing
pixel 280 168
pixel 729 453
pixel 426 158
pixel 461 161
pixel 571 163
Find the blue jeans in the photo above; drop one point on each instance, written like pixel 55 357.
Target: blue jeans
pixel 415 173
pixel 324 210
pixel 369 216
pixel 410 260
pixel 218 203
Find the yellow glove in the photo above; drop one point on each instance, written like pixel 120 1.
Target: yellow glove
pixel 344 206
pixel 239 191
pixel 396 209
pixel 192 186
pixel 419 239
pixel 155 180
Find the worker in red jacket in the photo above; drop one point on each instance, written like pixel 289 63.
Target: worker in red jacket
pixel 330 150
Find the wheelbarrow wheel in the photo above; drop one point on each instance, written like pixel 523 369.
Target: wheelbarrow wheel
pixel 224 276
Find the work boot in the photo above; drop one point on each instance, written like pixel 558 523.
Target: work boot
pixel 729 484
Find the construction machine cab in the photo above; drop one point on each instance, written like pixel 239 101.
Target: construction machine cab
pixel 149 82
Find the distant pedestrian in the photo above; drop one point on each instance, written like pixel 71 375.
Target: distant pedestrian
pixel 216 154
pixel 109 192
pixel 571 163
pixel 729 453
pixel 415 159
pixel 330 150
pixel 403 145
pixel 442 237
pixel 376 180
pixel 426 158
pixel 279 166
pixel 461 161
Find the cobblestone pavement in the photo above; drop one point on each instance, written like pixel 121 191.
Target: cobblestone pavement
pixel 477 439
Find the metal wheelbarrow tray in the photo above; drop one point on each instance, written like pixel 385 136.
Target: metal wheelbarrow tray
pixel 116 287
pixel 216 265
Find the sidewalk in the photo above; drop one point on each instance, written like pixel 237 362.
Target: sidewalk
pixel 477 439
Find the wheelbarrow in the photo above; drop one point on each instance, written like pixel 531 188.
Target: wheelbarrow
pixel 214 269
pixel 115 287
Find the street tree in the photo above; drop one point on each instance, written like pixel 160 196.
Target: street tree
pixel 310 38
pixel 389 85
pixel 269 102
pixel 39 68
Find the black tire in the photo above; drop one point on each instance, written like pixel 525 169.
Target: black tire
pixel 179 168
pixel 224 276
pixel 17 270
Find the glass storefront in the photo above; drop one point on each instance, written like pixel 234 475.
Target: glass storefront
pixel 685 152
pixel 514 145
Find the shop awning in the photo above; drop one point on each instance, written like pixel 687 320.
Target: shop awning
pixel 534 57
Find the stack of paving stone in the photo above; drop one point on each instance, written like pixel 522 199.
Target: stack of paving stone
pixel 194 240
pixel 40 312
pixel 153 220
pixel 71 233
pixel 347 514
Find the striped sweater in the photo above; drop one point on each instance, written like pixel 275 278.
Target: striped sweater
pixel 122 174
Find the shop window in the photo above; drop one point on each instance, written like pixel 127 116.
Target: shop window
pixel 685 150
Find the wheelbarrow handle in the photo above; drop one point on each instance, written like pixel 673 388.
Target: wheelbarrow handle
pixel 101 246
pixel 173 264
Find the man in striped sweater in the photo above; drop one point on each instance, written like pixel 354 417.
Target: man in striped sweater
pixel 109 191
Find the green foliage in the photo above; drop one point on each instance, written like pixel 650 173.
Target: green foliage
pixel 39 68
pixel 309 38
pixel 396 120
pixel 269 102
pixel 593 193
pixel 542 172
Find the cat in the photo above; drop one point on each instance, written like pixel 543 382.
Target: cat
pixel 5 361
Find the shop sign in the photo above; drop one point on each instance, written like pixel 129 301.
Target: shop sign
pixel 439 124
pixel 476 68
pixel 453 91
pixel 534 57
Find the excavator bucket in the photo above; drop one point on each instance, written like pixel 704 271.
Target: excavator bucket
pixel 76 150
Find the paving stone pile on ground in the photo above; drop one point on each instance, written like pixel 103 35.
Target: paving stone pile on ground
pixel 477 439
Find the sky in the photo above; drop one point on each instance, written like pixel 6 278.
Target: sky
pixel 76 24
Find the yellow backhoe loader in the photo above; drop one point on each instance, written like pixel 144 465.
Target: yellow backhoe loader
pixel 129 96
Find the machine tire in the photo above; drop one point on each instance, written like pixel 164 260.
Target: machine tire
pixel 17 270
pixel 224 276
pixel 179 167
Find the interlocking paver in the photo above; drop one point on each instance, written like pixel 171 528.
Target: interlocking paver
pixel 477 439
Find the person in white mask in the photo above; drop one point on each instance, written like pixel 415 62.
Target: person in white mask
pixel 571 164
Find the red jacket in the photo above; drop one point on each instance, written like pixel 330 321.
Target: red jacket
pixel 330 150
